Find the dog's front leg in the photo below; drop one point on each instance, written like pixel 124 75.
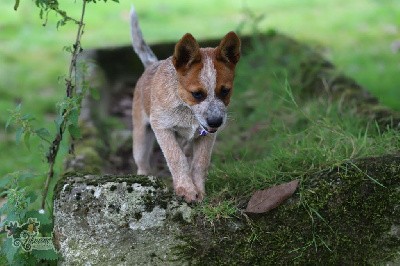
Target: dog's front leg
pixel 202 150
pixel 177 164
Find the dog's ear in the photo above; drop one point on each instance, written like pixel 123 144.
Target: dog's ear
pixel 228 50
pixel 187 52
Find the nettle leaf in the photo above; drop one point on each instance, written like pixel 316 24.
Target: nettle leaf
pixel 62 105
pixel 49 254
pixel 4 181
pixel 73 116
pixel 9 120
pixel 74 131
pixel 44 220
pixel 32 196
pixel 27 117
pixel 46 229
pixel 16 5
pixel 11 215
pixel 25 258
pixel 42 133
pixel 2 224
pixel 9 250
pixel 27 136
pixel 60 23
pixel 18 134
pixel 4 208
pixel 22 176
pixel 67 49
pixel 58 121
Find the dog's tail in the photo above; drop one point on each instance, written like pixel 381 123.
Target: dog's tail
pixel 141 48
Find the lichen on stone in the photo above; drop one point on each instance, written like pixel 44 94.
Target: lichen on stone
pixel 104 219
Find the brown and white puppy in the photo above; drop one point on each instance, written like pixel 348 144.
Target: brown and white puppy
pixel 184 96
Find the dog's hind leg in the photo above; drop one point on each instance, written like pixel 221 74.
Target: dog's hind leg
pixel 143 136
pixel 143 143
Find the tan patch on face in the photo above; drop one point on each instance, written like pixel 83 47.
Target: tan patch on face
pixel 225 76
pixel 190 82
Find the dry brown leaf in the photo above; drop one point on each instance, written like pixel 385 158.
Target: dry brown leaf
pixel 270 198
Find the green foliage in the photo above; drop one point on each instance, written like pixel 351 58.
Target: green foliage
pixel 24 128
pixel 9 250
pixel 47 6
pixel 20 207
pixel 45 255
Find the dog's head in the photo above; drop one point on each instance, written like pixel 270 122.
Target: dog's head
pixel 206 77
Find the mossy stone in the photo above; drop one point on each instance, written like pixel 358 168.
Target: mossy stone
pixel 341 216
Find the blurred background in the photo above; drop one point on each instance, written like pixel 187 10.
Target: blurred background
pixel 361 37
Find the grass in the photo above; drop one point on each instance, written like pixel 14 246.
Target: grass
pixel 289 137
pixel 356 35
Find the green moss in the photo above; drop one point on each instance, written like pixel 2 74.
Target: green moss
pixel 70 178
pixel 138 215
pixel 151 199
pixel 338 216
pixel 149 202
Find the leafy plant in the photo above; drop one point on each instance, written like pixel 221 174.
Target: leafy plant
pixel 20 203
pixel 17 210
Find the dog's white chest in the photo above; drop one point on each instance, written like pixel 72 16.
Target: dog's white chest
pixel 180 119
pixel 187 133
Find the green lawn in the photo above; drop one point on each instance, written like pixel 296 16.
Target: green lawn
pixel 355 35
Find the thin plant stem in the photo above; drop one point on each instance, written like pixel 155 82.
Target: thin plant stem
pixel 70 92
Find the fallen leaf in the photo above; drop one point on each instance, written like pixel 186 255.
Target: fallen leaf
pixel 270 198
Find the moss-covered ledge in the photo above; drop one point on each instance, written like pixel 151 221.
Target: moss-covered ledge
pixel 346 215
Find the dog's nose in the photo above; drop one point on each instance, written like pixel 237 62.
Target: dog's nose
pixel 214 122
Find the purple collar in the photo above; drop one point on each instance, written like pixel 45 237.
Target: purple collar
pixel 203 132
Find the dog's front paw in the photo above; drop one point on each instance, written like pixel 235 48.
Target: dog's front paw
pixel 189 193
pixel 200 195
pixel 199 184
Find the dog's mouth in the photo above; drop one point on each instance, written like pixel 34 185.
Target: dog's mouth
pixel 212 130
pixel 204 130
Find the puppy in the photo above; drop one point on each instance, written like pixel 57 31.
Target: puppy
pixel 182 97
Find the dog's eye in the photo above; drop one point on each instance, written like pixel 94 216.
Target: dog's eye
pixel 224 91
pixel 198 95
